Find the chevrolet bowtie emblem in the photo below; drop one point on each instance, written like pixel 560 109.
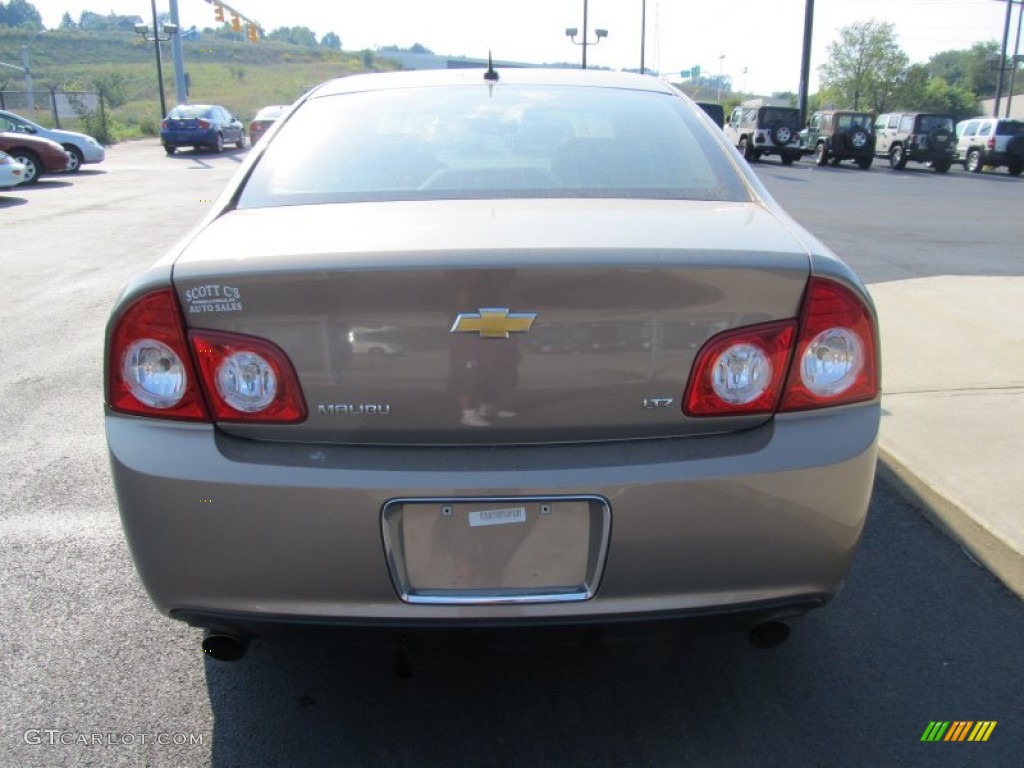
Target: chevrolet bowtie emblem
pixel 493 323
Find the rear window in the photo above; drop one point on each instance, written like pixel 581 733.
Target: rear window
pixel 1010 128
pixel 189 112
pixel 848 122
pixel 502 141
pixel 780 115
pixel 929 123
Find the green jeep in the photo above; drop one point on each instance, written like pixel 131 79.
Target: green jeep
pixel 835 135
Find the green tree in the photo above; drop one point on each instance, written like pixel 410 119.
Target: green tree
pixel 294 35
pixel 968 69
pixel 20 13
pixel 866 68
pixel 67 22
pixel 332 41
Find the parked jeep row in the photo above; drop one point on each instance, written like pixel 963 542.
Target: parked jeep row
pixel 832 136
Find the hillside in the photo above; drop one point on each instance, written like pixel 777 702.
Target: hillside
pixel 241 76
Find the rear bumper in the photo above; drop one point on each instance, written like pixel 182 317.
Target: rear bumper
pixel 276 533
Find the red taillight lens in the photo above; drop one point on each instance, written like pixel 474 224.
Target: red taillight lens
pixel 836 358
pixel 247 379
pixel 827 357
pixel 991 143
pixel 740 371
pixel 163 125
pixel 149 370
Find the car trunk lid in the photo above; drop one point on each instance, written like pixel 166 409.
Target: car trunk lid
pixel 517 321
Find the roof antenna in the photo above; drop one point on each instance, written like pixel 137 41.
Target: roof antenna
pixel 490 74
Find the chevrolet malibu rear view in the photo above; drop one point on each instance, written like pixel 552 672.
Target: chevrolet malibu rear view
pixel 504 349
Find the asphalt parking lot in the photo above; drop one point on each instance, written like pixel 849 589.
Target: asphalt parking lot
pixel 94 676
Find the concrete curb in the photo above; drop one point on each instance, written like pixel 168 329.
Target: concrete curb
pixel 983 544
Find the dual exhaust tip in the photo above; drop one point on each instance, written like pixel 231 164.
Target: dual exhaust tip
pixel 224 647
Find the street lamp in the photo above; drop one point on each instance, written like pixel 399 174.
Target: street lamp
pixel 156 39
pixel 27 67
pixel 721 59
pixel 571 33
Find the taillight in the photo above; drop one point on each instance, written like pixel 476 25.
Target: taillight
pixel 149 370
pixel 826 357
pixel 991 143
pixel 741 371
pixel 203 124
pixel 247 379
pixel 836 359
pixel 163 125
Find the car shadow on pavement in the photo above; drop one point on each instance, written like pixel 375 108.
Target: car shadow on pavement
pixel 6 201
pixel 48 183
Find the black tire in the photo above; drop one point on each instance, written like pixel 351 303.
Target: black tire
pixel 1015 147
pixel 169 149
pixel 940 139
pixel 33 168
pixel 864 162
pixel 973 163
pixel 789 158
pixel 1015 168
pixel 898 158
pixel 241 142
pixel 856 139
pixel 941 166
pixel 746 150
pixel 75 165
pixel 820 154
pixel 218 143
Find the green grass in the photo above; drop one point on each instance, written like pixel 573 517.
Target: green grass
pixel 240 76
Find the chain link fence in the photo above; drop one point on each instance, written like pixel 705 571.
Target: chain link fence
pixel 57 108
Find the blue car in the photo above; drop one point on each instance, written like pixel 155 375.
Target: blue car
pixel 201 125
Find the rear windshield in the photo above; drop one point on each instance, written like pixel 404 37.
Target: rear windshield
pixel 928 123
pixel 781 115
pixel 848 122
pixel 1010 128
pixel 189 112
pixel 501 141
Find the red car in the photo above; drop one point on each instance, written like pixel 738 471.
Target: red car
pixel 38 155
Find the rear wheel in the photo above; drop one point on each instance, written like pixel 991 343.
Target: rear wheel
pixel 1014 169
pixel 76 158
pixel 821 154
pixel 864 162
pixel 973 162
pixel 169 149
pixel 745 149
pixel 897 158
pixel 218 143
pixel 941 166
pixel 241 141
pixel 789 158
pixel 31 162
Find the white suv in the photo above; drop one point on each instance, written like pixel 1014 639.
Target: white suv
pixel 992 141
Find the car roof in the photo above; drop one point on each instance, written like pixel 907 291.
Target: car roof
pixel 515 75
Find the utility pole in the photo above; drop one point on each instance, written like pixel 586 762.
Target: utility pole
pixel 805 62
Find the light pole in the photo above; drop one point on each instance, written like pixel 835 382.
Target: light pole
pixel 643 33
pixel 168 30
pixel 27 67
pixel 571 33
pixel 721 59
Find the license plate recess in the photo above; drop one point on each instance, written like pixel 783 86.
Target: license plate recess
pixel 496 550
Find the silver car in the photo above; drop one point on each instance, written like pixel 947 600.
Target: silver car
pixel 630 386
